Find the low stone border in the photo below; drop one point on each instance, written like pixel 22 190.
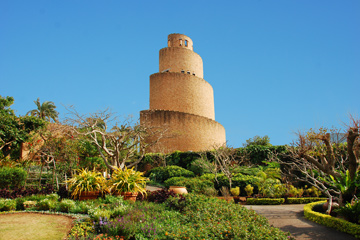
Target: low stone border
pixel 329 221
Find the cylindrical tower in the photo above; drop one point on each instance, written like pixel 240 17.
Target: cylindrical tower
pixel 182 101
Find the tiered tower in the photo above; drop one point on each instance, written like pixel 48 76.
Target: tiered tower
pixel 181 101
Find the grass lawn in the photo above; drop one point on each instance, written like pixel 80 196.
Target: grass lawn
pixel 28 226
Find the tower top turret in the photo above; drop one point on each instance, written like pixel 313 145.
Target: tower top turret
pixel 180 40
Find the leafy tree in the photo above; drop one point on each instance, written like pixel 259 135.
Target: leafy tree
pixel 45 111
pixel 258 141
pixel 14 130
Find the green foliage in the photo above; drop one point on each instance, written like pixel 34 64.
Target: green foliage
pixel 329 221
pixel 66 205
pixel 235 191
pixel 265 201
pixel 202 218
pixel 200 167
pixel 238 180
pixel 313 191
pixel 161 174
pixel 93 163
pixel 81 230
pixel 46 204
pixel 12 177
pixel 295 192
pixel 258 141
pixel 182 159
pixel 7 204
pixel 194 185
pixel 303 200
pixel 127 180
pixel 14 130
pixel 351 211
pixel 45 111
pixel 86 181
pixel 249 190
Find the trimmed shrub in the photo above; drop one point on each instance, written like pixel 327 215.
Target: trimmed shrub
pixel 66 205
pixel 265 201
pixel 303 200
pixel 7 205
pixel 12 178
pixel 46 204
pixel 329 221
pixel 161 174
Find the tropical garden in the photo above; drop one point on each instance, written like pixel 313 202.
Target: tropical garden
pixel 96 170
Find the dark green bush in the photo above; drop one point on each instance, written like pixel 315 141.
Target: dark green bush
pixel 161 174
pixel 194 185
pixel 350 212
pixel 11 178
pixel 265 201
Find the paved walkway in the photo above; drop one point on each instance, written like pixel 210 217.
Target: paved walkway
pixel 290 218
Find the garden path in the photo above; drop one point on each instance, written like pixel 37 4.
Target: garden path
pixel 290 218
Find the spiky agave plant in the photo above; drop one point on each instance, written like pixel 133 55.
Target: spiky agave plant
pixel 86 181
pixel 128 180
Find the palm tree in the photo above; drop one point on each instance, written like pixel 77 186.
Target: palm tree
pixel 45 111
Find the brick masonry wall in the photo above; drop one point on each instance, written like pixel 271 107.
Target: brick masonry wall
pixel 181 92
pixel 177 59
pixel 185 132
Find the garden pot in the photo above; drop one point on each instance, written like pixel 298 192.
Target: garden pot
pixel 129 196
pixel 236 199
pixel 178 189
pixel 88 195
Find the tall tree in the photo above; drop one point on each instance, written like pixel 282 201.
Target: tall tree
pixel 45 111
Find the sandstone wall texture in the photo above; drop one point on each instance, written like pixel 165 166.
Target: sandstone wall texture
pixel 188 132
pixel 183 93
pixel 181 101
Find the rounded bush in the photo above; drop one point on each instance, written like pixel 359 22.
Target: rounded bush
pixel 7 205
pixel 45 205
pixel 66 205
pixel 161 174
pixel 11 178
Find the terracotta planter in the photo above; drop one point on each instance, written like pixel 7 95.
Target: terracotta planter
pixel 178 189
pixel 129 196
pixel 88 195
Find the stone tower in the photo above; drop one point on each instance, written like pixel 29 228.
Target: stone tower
pixel 182 101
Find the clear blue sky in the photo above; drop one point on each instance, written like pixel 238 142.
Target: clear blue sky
pixel 276 66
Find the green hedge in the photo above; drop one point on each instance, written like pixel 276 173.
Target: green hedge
pixel 303 200
pixel 11 178
pixel 194 185
pixel 329 221
pixel 161 174
pixel 265 201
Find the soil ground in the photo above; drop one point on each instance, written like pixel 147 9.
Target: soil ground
pixel 290 218
pixel 34 226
